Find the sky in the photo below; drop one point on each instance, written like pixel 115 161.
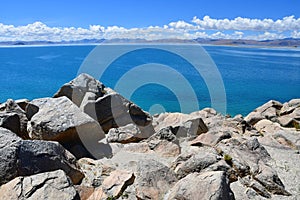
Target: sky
pixel 148 19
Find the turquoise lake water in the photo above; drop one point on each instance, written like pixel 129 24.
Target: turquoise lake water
pixel 251 76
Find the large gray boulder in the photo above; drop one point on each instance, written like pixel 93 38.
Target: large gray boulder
pixel 206 185
pixel 103 104
pixel 48 185
pixel 129 133
pixel 185 125
pixel 76 89
pixel 58 119
pixel 24 157
pixel 112 111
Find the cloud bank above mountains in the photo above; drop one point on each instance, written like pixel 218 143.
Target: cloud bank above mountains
pixel 238 28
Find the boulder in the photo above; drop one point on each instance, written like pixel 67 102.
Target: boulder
pixel 186 125
pixel 269 110
pixel 129 133
pixel 117 182
pixel 249 157
pixel 153 179
pixel 8 155
pixel 290 106
pixel 210 138
pixel 95 171
pixel 164 142
pixel 286 162
pixel 24 157
pixel 187 164
pixel 103 104
pixel 48 185
pixel 112 111
pixel 206 185
pixel 76 89
pixel 58 119
pixel 9 120
pixel 277 136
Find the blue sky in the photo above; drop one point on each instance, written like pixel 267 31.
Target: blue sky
pixel 142 14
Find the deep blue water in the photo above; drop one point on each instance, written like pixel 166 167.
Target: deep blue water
pixel 251 76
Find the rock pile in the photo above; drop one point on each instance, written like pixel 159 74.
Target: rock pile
pixel 89 142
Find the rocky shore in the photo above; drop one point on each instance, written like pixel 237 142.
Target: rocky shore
pixel 89 142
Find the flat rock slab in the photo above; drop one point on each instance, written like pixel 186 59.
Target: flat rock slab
pixel 207 185
pixel 117 182
pixel 49 185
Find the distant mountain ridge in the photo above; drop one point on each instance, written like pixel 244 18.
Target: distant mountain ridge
pixel 286 42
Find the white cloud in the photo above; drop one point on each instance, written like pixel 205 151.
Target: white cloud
pixel 295 34
pixel 286 24
pixel 181 25
pixel 238 28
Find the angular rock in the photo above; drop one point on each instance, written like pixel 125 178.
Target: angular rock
pixel 290 106
pixel 22 103
pixel 249 157
pixel 17 125
pixel 58 119
pixel 141 147
pixel 187 164
pixel 286 121
pixel 84 192
pixel 129 133
pixel 113 111
pixel 95 171
pixel 46 156
pixel 206 185
pixel 48 185
pixel 117 182
pixel 153 179
pixel 76 89
pixel 268 178
pixel 286 162
pixel 165 142
pixel 24 157
pixel 247 188
pixel 186 125
pixel 98 194
pixel 277 136
pixel 8 155
pixel 269 110
pixel 10 121
pixel 210 138
pixel 267 126
pixel 205 113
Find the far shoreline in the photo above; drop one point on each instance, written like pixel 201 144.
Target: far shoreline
pixel 204 45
